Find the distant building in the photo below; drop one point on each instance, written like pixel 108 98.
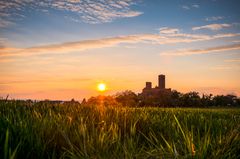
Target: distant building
pixel 160 89
pixel 161 81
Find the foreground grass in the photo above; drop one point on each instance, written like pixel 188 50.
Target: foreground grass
pixel 47 131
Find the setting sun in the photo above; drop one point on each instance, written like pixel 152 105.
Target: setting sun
pixel 101 87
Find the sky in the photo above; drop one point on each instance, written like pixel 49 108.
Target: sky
pixel 61 49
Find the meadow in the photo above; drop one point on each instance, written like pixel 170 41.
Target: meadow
pixel 91 131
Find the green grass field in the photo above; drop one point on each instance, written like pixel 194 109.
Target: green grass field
pixel 74 131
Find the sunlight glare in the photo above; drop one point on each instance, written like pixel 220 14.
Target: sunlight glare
pixel 101 87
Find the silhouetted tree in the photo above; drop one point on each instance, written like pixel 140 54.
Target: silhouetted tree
pixel 127 98
pixel 102 100
pixel 206 100
pixel 228 100
pixel 164 99
pixel 175 98
pixel 238 102
pixel 191 99
pixel 83 101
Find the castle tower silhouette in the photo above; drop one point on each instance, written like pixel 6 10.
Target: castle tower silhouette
pixel 149 91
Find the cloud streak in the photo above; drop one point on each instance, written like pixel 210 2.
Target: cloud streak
pixel 78 46
pixel 3 42
pixel 166 30
pixel 221 68
pixel 213 27
pixel 214 18
pixel 188 7
pixel 5 23
pixel 218 90
pixel 186 52
pixel 45 81
pixel 232 60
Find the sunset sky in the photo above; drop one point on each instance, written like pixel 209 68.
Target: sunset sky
pixel 61 49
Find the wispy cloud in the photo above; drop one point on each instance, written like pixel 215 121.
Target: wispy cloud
pixel 185 52
pixel 79 46
pixel 166 30
pixel 212 26
pixel 232 60
pixel 188 7
pixel 236 41
pixel 185 7
pixel 225 67
pixel 5 23
pixel 220 68
pixel 218 90
pixel 3 43
pixel 45 81
pixel 88 11
pixel 195 6
pixel 214 18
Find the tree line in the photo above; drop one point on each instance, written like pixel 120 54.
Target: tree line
pixel 174 99
pixel 131 99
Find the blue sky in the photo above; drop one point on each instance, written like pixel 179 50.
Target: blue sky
pixel 70 45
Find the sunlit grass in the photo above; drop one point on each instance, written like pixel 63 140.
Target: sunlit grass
pixel 75 131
